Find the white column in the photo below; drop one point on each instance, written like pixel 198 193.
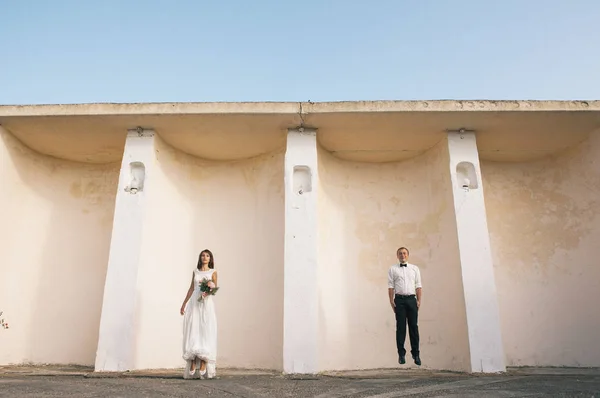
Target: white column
pixel 117 323
pixel 481 305
pixel 300 337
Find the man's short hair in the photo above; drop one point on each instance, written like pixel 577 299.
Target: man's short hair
pixel 398 251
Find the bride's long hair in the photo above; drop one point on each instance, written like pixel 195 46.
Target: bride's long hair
pixel 211 262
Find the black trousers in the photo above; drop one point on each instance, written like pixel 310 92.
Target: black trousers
pixel 407 311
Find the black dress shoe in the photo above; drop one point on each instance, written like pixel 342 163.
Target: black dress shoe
pixel 402 360
pixel 417 360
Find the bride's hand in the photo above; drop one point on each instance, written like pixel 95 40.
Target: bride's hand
pixel 182 310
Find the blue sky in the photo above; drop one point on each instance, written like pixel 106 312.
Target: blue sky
pixel 74 51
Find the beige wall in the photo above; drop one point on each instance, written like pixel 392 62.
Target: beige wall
pixel 366 211
pixel 543 218
pixel 544 221
pixel 55 228
pixel 235 209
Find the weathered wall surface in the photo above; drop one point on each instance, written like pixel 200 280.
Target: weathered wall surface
pixel 56 221
pixel 367 211
pixel 235 209
pixel 544 221
pixel 543 217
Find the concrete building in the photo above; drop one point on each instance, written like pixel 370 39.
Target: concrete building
pixel 105 208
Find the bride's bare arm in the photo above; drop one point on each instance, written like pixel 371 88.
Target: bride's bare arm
pixel 187 296
pixel 214 278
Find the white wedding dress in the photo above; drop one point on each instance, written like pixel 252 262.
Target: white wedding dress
pixel 200 329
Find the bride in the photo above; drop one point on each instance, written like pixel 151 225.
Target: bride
pixel 200 323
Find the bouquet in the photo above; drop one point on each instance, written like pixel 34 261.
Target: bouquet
pixel 207 288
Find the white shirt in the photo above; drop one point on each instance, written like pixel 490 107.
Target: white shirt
pixel 404 280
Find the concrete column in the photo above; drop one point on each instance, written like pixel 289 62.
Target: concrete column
pixel 116 343
pixel 481 305
pixel 300 329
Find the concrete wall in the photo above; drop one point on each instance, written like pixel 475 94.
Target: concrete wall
pixel 367 211
pixel 301 247
pixel 235 209
pixel 55 228
pixel 544 221
pixel 56 224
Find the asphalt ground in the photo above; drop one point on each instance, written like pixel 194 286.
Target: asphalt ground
pixel 57 381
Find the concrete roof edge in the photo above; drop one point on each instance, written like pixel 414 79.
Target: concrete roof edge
pixel 150 108
pixel 265 108
pixel 450 106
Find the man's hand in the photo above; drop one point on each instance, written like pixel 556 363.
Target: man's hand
pixel 418 304
pixel 393 306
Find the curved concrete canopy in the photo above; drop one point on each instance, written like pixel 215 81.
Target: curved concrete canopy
pixel 502 136
pixel 101 139
pixel 75 138
pixel 380 131
pixel 233 137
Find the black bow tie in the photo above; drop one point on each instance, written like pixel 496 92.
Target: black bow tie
pixel 403 265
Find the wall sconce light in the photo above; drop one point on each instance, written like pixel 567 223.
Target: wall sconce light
pixel 466 184
pixel 138 174
pixel 302 179
pixel 466 176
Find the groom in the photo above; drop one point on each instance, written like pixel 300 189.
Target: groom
pixel 404 290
